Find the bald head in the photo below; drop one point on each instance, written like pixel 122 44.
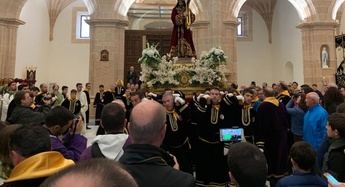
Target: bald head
pixel 147 123
pixel 312 99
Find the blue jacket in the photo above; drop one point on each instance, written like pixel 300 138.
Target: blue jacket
pixel 298 179
pixel 297 116
pixel 314 127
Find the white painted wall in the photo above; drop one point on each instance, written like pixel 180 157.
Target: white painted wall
pixel 264 62
pixel 69 62
pixel 60 60
pixel 254 57
pixel 287 44
pixel 33 40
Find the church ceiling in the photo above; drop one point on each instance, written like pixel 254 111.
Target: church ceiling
pixel 265 8
pixel 55 7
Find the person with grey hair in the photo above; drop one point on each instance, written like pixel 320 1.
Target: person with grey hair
pixel 146 162
pixel 176 139
pixel 315 121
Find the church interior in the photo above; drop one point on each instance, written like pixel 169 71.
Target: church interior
pixel 277 40
pixel 253 43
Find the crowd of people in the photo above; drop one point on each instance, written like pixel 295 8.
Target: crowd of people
pixel 292 135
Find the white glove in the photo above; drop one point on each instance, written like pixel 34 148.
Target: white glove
pixel 152 94
pixel 240 98
pixel 230 94
pixel 179 100
pixel 176 95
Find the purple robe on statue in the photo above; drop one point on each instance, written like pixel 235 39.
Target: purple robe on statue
pixel 182 40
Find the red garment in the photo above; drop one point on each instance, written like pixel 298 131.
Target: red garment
pixel 182 40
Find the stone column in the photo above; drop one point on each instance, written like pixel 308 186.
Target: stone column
pixel 314 36
pixel 229 47
pixel 200 31
pixel 217 31
pixel 106 34
pixel 8 43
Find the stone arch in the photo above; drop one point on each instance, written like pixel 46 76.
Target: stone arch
pixel 304 8
pixel 11 8
pixel 122 6
pixel 337 9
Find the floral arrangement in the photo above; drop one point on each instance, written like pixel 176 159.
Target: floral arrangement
pixel 150 56
pixel 166 72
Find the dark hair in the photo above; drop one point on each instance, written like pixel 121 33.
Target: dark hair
pixel 41 85
pixel 21 86
pixel 78 84
pixel 74 91
pixel 283 86
pixel 184 4
pixel 35 89
pixel 11 82
pixel 306 89
pixel 332 97
pixel 19 96
pixel 137 93
pixel 242 158
pixel 64 87
pixel 248 90
pixel 58 116
pixel 104 172
pixel 101 86
pixel 113 118
pixel 87 84
pixel 341 108
pixel 295 83
pixel 5 159
pixel 30 140
pixel 337 122
pixel 303 155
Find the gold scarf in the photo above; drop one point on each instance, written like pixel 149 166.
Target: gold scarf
pixel 173 117
pixel 285 92
pixel 214 114
pixel 272 100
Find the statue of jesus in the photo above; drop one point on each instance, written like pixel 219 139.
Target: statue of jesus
pixel 181 40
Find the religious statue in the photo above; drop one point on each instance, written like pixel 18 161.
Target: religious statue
pixel 324 58
pixel 181 39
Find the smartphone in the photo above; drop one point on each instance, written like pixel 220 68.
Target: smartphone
pixel 331 179
pixel 231 135
pixel 75 124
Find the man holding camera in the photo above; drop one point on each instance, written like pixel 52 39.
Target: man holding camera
pixel 61 122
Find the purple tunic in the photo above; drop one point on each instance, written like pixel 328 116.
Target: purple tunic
pixel 71 147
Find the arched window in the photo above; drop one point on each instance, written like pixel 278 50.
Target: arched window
pixel 244 30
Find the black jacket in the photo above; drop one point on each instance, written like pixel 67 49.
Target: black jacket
pixel 149 169
pixel 334 159
pixel 26 115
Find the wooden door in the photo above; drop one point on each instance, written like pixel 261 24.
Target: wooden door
pixel 135 41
